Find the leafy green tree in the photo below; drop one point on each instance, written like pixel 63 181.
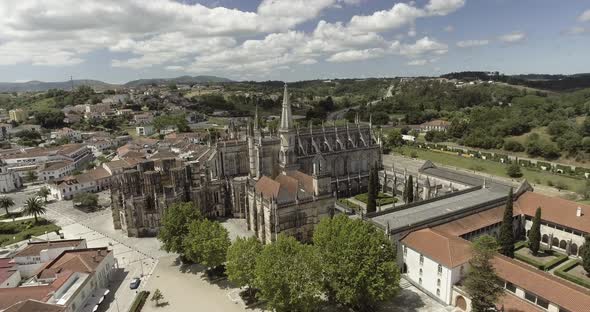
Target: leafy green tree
pixel 44 192
pixel 394 138
pixel 506 238
pixel 157 296
pixel 535 233
pixel 357 261
pixel 34 207
pixel 174 225
pixel 86 199
pixel 513 170
pixel 6 202
pixel 482 284
pixel 288 276
pixel 206 243
pixel 32 176
pixel 371 192
pixel 585 254
pixel 241 261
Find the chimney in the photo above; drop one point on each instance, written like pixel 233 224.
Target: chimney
pixel 579 212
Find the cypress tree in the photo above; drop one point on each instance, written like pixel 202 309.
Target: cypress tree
pixel 371 198
pixel 585 254
pixel 410 188
pixel 507 229
pixel 535 233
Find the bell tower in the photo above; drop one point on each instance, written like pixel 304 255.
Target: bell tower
pixel 287 157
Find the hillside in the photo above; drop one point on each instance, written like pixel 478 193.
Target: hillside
pixel 547 82
pixel 177 80
pixel 40 86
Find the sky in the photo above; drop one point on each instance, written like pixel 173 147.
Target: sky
pixel 120 40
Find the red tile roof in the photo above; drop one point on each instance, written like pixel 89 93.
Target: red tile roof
pixel 555 210
pixel 7 268
pixel 34 306
pixel 35 248
pixel 81 260
pixel 475 222
pixel 445 249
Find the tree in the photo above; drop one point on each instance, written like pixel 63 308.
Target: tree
pixel 6 202
pixel 86 199
pixel 241 261
pixel 585 254
pixel 535 233
pixel 482 284
pixel 371 197
pixel 206 243
pixel 34 207
pixel 506 238
pixel 157 296
pixel 32 176
pixel 174 225
pixel 357 261
pixel 513 170
pixel 44 192
pixel 288 276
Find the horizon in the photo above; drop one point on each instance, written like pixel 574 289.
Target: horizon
pixel 290 41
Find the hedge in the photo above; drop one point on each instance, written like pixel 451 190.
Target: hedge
pixel 542 266
pixel 562 272
pixel 139 301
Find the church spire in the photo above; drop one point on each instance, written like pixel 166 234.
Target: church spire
pixel 286 115
pixel 256 126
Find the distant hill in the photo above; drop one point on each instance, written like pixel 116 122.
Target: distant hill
pixel 538 81
pixel 177 80
pixel 38 86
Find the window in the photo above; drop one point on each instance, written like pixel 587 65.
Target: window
pixel 420 272
pixel 510 287
pixel 439 269
pixel 421 259
pixel 461 271
pixel 420 281
pixel 405 250
pixel 542 303
pixel 438 282
pixel 438 292
pixel 530 297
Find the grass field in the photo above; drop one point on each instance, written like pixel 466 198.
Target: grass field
pixel 12 232
pixel 494 168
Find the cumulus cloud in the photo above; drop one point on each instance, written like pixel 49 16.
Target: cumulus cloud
pixel 418 62
pixel 585 16
pixel 194 38
pixel 513 37
pixel 472 43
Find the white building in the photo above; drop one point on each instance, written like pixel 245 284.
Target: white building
pixel 56 170
pixel 145 130
pixel 92 181
pixel 143 119
pixel 9 180
pixel 30 258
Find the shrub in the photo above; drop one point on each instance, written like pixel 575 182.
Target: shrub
pixel 563 273
pixel 513 146
pixel 139 301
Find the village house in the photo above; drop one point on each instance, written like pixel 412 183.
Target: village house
pixel 435 125
pixel 95 180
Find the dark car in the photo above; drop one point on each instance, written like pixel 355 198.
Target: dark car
pixel 134 283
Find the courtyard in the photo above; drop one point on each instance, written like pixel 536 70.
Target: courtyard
pixel 544 259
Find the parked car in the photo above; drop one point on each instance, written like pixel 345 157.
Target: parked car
pixel 134 283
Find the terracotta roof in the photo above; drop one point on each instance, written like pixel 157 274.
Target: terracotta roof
pixel 34 306
pixel 447 250
pixel 35 248
pixel 436 122
pixel 475 222
pixel 556 210
pixel 551 288
pixel 6 269
pixel 56 165
pixel 81 260
pixel 512 303
pixel 286 188
pixel 268 187
pixel 10 296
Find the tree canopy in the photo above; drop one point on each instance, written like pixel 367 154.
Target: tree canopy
pixel 506 238
pixel 174 225
pixel 482 284
pixel 241 260
pixel 206 243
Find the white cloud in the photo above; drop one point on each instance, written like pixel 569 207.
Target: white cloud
pixel 513 37
pixel 356 55
pixel 472 43
pixel 418 62
pixel 444 7
pixel 585 16
pixel 399 15
pixel 423 46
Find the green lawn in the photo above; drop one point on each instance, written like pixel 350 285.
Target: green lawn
pixel 12 232
pixel 491 167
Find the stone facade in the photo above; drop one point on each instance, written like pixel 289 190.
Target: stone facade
pixel 278 183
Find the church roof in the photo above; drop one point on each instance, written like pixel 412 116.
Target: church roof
pixel 286 187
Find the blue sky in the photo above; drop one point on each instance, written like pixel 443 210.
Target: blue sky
pixel 121 40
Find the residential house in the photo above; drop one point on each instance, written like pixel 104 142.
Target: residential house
pixel 435 125
pixel 95 180
pixel 32 256
pixel 18 115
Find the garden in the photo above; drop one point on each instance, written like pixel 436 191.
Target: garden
pixel 544 260
pixel 16 231
pixel 573 271
pixel 382 199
